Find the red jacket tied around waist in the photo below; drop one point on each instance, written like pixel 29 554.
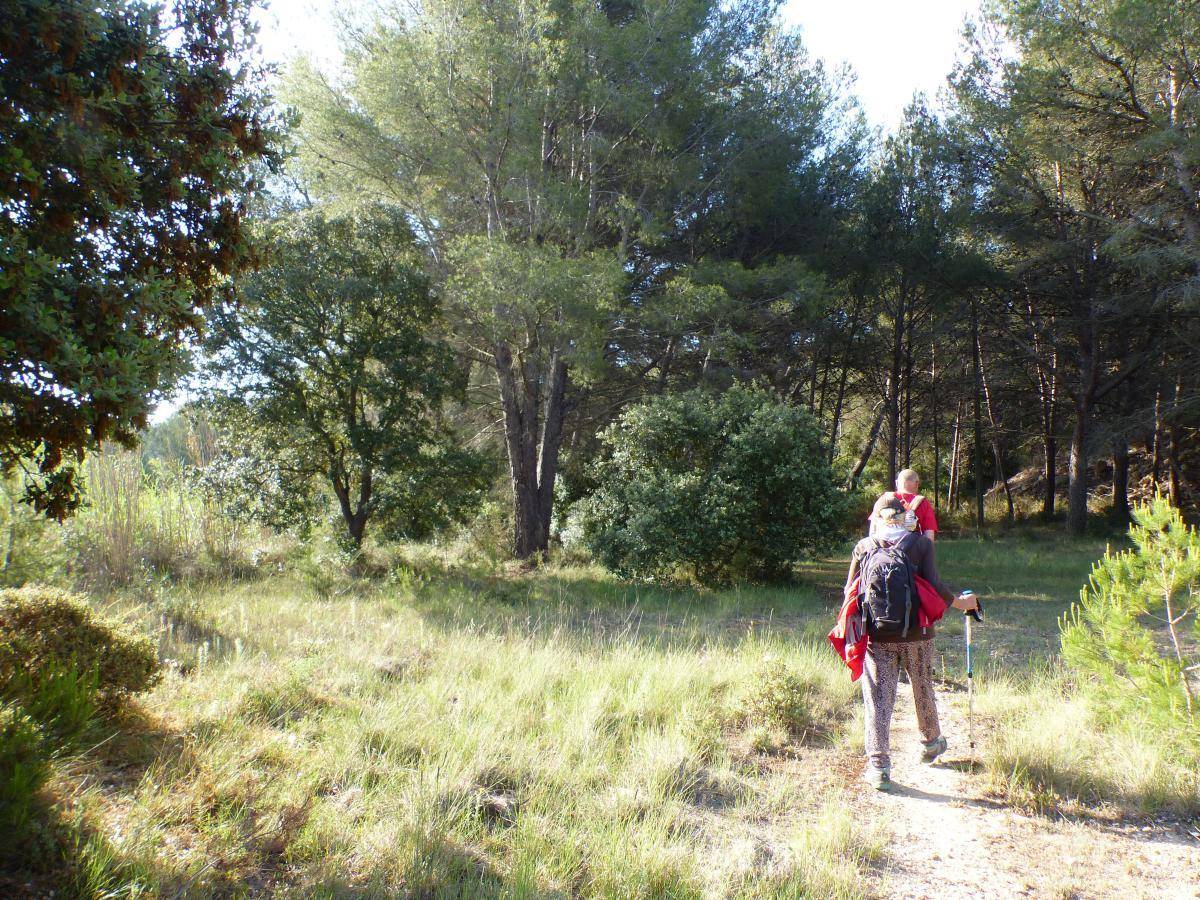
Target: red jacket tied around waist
pixel 849 633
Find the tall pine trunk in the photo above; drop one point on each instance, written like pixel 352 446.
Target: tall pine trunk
pixel 1120 507
pixel 1157 440
pixel 1050 464
pixel 1048 389
pixel 978 449
pixel 1174 448
pixel 533 423
pixel 955 469
pixel 868 448
pixel 995 428
pixel 1077 487
pixel 894 385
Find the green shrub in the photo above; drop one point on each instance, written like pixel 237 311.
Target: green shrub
pixel 716 487
pixel 44 630
pixel 62 700
pixel 780 699
pixel 1135 630
pixel 24 767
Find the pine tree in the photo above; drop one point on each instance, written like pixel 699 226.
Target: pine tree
pixel 1129 629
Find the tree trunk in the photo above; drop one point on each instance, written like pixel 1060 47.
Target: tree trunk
pixel 533 423
pixel 1050 461
pixel 1048 396
pixel 1120 507
pixel 1174 466
pixel 1156 470
pixel 556 394
pixel 955 473
pixel 520 435
pixel 865 456
pixel 908 378
pixel 1049 388
pixel 987 399
pixel 893 393
pixel 937 447
pixel 836 427
pixel 978 449
pixel 354 515
pixel 1077 488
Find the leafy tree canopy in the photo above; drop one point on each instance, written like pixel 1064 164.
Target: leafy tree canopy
pixel 327 372
pixel 127 144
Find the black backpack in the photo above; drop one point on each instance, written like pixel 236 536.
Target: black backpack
pixel 888 594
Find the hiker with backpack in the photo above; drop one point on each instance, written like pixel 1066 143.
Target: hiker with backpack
pixel 893 596
pixel 917 508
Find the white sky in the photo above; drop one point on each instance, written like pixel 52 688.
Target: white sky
pixel 896 47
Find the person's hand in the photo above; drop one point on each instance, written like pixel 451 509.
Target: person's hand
pixel 967 603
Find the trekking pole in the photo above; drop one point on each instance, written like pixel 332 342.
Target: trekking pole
pixel 977 615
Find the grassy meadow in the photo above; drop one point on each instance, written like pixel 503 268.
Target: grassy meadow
pixel 438 725
pixel 440 732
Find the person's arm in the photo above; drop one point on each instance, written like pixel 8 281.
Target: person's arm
pixel 927 518
pixel 927 569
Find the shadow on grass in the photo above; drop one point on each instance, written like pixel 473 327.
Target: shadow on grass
pixel 65 852
pixel 966 766
pixel 443 869
pixel 59 852
pixel 71 859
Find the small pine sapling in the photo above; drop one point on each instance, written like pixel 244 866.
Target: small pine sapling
pixel 1130 629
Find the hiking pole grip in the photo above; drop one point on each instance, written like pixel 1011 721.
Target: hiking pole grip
pixel 977 612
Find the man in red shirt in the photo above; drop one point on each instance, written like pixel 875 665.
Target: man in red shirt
pixel 908 483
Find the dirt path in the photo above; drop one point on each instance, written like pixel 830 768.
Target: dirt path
pixel 949 841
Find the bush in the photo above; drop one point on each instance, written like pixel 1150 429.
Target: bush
pixel 44 631
pixel 1129 632
pixel 62 700
pixel 712 487
pixel 24 767
pixel 779 698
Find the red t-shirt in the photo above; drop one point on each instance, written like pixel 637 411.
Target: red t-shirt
pixel 926 520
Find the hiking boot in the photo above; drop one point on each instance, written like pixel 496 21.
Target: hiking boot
pixel 933 749
pixel 880 779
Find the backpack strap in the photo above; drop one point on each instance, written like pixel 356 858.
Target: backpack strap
pixel 916 501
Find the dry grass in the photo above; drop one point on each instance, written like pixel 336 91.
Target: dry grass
pixel 455 735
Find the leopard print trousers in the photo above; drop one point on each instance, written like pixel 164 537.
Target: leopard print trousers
pixel 881 670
